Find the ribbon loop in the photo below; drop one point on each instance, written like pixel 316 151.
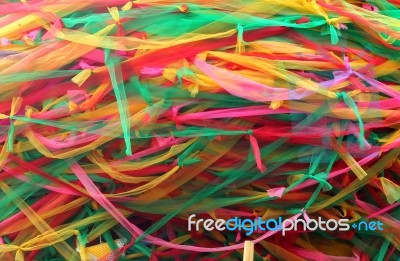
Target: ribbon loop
pixel 318 177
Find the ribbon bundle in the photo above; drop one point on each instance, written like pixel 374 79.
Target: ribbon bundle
pixel 119 119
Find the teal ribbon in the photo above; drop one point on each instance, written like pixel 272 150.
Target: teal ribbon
pixel 334 35
pixel 318 177
pixel 240 30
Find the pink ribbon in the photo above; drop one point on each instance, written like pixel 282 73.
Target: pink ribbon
pixel 135 231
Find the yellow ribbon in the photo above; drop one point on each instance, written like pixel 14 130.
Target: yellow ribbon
pixel 81 77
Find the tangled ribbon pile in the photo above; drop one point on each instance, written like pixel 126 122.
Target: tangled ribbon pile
pixel 120 119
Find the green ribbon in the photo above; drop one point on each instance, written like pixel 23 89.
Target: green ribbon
pixel 120 94
pixel 240 31
pixel 352 105
pixel 11 132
